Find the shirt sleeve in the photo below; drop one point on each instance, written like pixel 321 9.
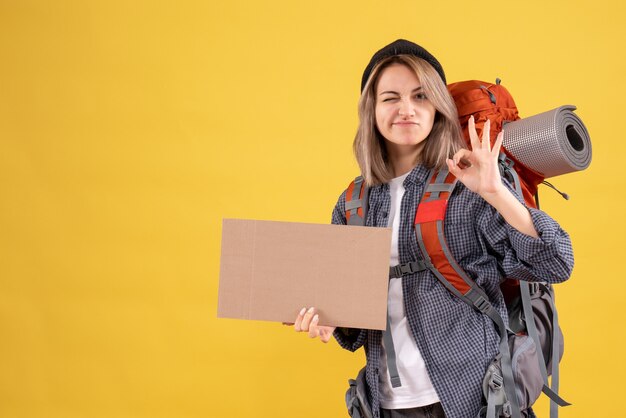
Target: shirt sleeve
pixel 549 257
pixel 349 338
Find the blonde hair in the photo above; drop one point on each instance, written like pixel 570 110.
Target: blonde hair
pixel 443 141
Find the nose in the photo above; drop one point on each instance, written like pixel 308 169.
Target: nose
pixel 406 109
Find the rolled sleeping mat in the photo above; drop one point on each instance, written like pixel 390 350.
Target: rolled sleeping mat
pixel 551 143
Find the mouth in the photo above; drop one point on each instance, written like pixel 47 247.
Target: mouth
pixel 406 123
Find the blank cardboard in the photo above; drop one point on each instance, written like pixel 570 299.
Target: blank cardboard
pixel 270 270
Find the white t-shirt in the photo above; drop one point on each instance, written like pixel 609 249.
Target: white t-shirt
pixel 417 389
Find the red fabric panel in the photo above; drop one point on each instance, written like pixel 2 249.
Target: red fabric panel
pixel 438 257
pixel 434 210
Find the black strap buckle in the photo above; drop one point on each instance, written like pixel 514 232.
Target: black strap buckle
pixel 505 160
pixel 533 287
pixel 482 304
pixel 506 166
pixel 409 268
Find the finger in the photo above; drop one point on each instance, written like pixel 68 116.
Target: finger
pixel 471 127
pixel 325 335
pixel 306 319
pixel 463 158
pixel 453 168
pixel 314 330
pixel 498 144
pixel 486 132
pixel 298 324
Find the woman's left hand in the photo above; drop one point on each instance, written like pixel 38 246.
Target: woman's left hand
pixel 482 175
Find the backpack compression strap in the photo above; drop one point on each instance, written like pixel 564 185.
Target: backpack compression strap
pixel 507 171
pixel 429 220
pixel 356 202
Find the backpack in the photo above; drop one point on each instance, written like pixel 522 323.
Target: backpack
pixel 532 346
pixel 494 102
pixel 524 300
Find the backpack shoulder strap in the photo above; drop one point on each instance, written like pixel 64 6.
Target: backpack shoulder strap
pixel 356 212
pixel 429 222
pixel 357 202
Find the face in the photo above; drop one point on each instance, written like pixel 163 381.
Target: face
pixel 404 116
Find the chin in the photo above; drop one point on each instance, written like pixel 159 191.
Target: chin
pixel 410 141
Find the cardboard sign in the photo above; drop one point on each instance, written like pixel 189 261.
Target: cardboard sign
pixel 271 270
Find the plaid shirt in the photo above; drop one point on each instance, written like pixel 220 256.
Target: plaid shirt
pixel 457 342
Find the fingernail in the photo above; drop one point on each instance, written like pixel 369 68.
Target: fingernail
pixel 302 311
pixel 311 310
pixel 316 318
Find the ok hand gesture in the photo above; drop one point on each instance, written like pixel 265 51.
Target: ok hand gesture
pixel 482 175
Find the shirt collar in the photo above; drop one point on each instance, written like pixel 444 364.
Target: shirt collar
pixel 418 175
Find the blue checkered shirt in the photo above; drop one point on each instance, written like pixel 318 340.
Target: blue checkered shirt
pixel 457 342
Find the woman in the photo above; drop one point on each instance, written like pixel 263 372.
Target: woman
pixel 408 126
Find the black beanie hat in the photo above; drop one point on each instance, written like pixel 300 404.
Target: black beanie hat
pixel 404 47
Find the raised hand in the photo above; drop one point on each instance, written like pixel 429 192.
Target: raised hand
pixel 482 175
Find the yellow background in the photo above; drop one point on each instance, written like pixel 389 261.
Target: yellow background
pixel 129 129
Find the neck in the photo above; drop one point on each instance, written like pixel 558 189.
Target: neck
pixel 403 159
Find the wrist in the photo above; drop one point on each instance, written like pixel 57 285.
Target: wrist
pixel 497 195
